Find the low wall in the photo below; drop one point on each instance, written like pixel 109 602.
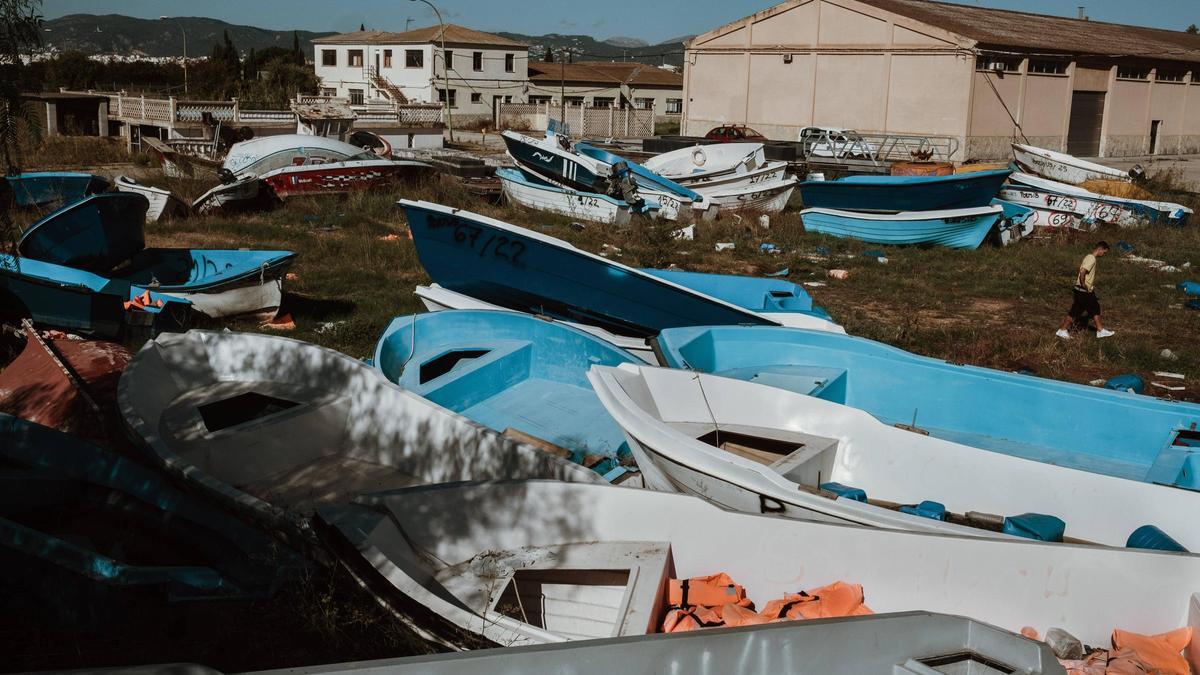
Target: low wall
pixel 999 148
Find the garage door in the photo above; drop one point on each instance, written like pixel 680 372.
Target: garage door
pixel 1087 119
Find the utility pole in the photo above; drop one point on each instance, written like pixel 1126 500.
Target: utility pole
pixel 445 69
pixel 184 32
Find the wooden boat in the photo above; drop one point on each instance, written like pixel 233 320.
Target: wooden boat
pixel 957 228
pixel 701 163
pixel 527 271
pixel 903 643
pixel 43 188
pixel 510 372
pixel 1043 217
pixel 531 192
pixel 758 197
pixel 64 297
pixel 904 193
pixel 238 195
pixel 1035 191
pixel 86 536
pixel 532 562
pixel 164 205
pixel 272 427
pixel 104 234
pixel 1061 166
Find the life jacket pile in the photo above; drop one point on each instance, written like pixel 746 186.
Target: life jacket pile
pixel 1134 654
pixel 708 602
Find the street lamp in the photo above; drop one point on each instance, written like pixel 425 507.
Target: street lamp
pixel 181 30
pixel 445 69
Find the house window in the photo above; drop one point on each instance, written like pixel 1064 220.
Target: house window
pixel 387 58
pixel 329 91
pixel 329 57
pixel 414 58
pixel 603 102
pixel 449 58
pixel 674 106
pixel 575 101
pixel 539 99
pixel 510 61
pixel 356 97
pixel 453 98
pixel 994 64
pixel 477 61
pixel 644 103
pixel 1169 76
pixel 476 97
pixel 356 58
pixel 508 99
pixel 1048 67
pixel 1133 73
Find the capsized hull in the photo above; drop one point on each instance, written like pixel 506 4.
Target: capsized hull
pixel 960 228
pixel 1062 167
pixel 241 194
pixel 1096 207
pixel 532 193
pixel 702 163
pixel 163 204
pixel 904 193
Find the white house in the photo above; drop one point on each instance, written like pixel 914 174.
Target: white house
pixel 381 67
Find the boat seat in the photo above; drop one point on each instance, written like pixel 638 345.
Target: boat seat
pixel 1178 464
pixel 474 376
pixel 817 381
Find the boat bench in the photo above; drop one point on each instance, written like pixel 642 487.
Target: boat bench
pixel 1178 464
pixel 476 377
pixel 816 381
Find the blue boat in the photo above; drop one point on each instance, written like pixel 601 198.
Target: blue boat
pixel 507 370
pixel 104 234
pixel 41 188
pixel 757 294
pixel 646 179
pixel 522 270
pixel 86 534
pixel 956 228
pixel 65 297
pixel 1086 428
pixel 556 162
pixel 904 193
pixel 1016 222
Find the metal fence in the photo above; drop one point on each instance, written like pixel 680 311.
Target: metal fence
pixel 588 121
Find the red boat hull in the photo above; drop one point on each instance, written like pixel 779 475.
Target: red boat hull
pixel 332 179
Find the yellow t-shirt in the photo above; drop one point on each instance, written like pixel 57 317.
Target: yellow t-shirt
pixel 1089 264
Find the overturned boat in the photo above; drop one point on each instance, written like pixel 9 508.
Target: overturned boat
pixel 163 204
pixel 273 427
pixel 1036 191
pixel 957 228
pixel 533 562
pixel 904 193
pixel 44 188
pixel 527 190
pixel 514 373
pixel 1062 167
pixel 239 194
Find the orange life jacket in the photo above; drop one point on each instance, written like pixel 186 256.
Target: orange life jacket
pixel 835 600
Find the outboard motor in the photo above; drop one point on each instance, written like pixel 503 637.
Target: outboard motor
pixel 622 184
pixel 1137 173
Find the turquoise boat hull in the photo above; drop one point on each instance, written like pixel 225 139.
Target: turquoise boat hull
pixel 41 188
pixel 904 193
pixel 507 370
pixel 1086 428
pixel 967 230
pixel 756 294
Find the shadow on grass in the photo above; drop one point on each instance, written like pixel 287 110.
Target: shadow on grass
pixel 309 307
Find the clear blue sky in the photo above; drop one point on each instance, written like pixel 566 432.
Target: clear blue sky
pixel 651 20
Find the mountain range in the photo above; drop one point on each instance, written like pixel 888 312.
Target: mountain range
pixel 119 34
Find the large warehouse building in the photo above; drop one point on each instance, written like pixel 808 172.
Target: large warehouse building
pixel 984 77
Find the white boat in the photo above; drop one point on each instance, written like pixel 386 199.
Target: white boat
pixel 751 447
pixel 274 427
pixel 437 299
pixel 903 643
pixel 241 193
pixel 261 155
pixel 1063 167
pixel 768 172
pixel 763 197
pixel 531 192
pixel 517 563
pixel 1091 205
pixel 1044 217
pixel 163 203
pixel 707 161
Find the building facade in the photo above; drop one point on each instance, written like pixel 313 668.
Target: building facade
pixel 605 84
pixel 983 77
pixel 378 67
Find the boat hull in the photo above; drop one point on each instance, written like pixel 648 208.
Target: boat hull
pixel 1092 206
pixel 766 197
pixel 904 193
pixel 965 228
pixel 564 167
pixel 50 187
pixel 335 177
pixel 241 194
pixel 1062 167
pixel 94 233
pixel 700 163
pixel 163 205
pixel 1043 217
pixel 730 180
pixel 539 195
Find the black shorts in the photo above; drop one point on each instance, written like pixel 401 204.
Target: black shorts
pixel 1085 305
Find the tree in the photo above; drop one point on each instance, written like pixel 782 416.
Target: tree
pixel 250 67
pixel 549 57
pixel 297 52
pixel 1193 29
pixel 281 80
pixel 362 27
pixel 20 34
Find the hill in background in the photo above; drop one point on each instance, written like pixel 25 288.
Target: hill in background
pixel 118 34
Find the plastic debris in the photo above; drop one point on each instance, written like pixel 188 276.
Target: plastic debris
pixel 1169 269
pixel 577 226
pixel 1064 645
pixel 1097 383
pixel 686 233
pixel 726 245
pixel 1129 382
pixel 882 260
pixel 328 326
pixel 284 322
pixel 769 248
pixel 1169 355
pixel 1192 304
pixel 1124 247
pixel 838 274
pixel 291 276
pixel 389 237
pixel 1173 376
pixel 1190 287
pixel 764 221
pixel 1168 387
pixel 815 284
pixel 821 250
pixel 873 254
pixel 608 249
pixel 781 273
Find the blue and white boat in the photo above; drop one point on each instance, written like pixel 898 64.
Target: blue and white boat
pixel 510 372
pixel 41 188
pixel 758 294
pixel 519 269
pixel 104 234
pixel 1086 428
pixel 528 190
pixel 87 534
pixel 1016 223
pixel 72 299
pixel 553 159
pixel 904 193
pixel 1036 191
pixel 675 201
pixel 956 228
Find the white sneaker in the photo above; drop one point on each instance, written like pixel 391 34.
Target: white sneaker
pixel 1105 333
pixel 1063 334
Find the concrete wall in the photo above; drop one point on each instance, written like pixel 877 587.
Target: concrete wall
pixel 1005 107
pixel 590 92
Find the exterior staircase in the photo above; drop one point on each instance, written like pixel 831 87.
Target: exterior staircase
pixel 383 84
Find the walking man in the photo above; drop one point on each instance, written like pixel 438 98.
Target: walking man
pixel 1086 305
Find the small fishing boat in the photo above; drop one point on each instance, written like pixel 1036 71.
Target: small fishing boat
pixel 708 162
pixel 675 201
pixel 164 205
pixel 758 197
pixel 902 643
pixel 86 536
pixel 259 156
pixel 1043 217
pixel 519 563
pixel 526 271
pixel 72 299
pixel 315 177
pixel 510 372
pixel 904 193
pixel 706 184
pixel 43 188
pixel 553 159
pixel 769 297
pixel 104 234
pixel 531 192
pixel 1062 167
pixel 272 427
pixel 956 228
pixel 1036 191
pixel 1016 222
pixel 235 196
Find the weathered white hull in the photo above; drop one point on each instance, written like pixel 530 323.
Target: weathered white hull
pixel 255 298
pixel 708 161
pixel 227 195
pixel 1062 167
pixel 1103 208
pixel 567 202
pixel 1093 211
pixel 1046 213
pixel 671 207
pixel 766 197
pixel 163 204
pixel 728 181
